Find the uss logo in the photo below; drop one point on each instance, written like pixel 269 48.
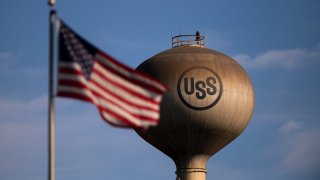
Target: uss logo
pixel 199 88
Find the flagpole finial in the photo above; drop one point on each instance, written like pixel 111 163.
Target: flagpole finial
pixel 51 2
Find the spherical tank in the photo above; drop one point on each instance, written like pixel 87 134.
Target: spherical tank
pixel 210 101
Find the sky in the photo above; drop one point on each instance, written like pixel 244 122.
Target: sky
pixel 276 41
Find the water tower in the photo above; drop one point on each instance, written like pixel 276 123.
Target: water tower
pixel 209 103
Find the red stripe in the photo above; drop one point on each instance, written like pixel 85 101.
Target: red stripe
pixel 120 86
pixel 142 117
pixel 133 80
pixel 72 83
pixel 122 98
pixel 69 70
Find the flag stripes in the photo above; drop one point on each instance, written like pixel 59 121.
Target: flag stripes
pixel 120 93
pixel 131 75
pixel 102 72
pixel 109 96
pixel 123 96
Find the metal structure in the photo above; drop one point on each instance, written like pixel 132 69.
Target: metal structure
pixel 209 103
pixel 51 120
pixel 188 40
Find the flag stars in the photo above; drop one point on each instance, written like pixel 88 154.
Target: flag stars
pixel 77 52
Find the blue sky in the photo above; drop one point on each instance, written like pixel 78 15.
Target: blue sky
pixel 276 41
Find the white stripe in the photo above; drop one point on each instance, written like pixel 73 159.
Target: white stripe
pixel 124 82
pixel 128 107
pixel 121 93
pixel 113 119
pixel 129 74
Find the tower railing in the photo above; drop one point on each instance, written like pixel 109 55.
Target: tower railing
pixel 188 40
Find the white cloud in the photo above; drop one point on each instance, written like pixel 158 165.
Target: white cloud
pixel 7 56
pixel 303 155
pixel 31 72
pixel 9 66
pixel 7 59
pixel 290 126
pixel 12 109
pixel 21 121
pixel 217 40
pixel 293 152
pixel 218 170
pixel 289 58
pixel 299 148
pixel 22 135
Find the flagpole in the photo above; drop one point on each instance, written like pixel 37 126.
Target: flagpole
pixel 51 123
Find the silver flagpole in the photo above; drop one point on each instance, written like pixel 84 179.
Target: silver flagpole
pixel 51 123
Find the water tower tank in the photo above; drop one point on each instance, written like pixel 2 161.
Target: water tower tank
pixel 209 103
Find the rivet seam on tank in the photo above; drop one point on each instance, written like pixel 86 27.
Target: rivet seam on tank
pixel 199 88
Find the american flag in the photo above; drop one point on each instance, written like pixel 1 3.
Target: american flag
pixel 123 96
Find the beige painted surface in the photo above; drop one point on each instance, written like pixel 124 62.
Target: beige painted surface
pixel 191 136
